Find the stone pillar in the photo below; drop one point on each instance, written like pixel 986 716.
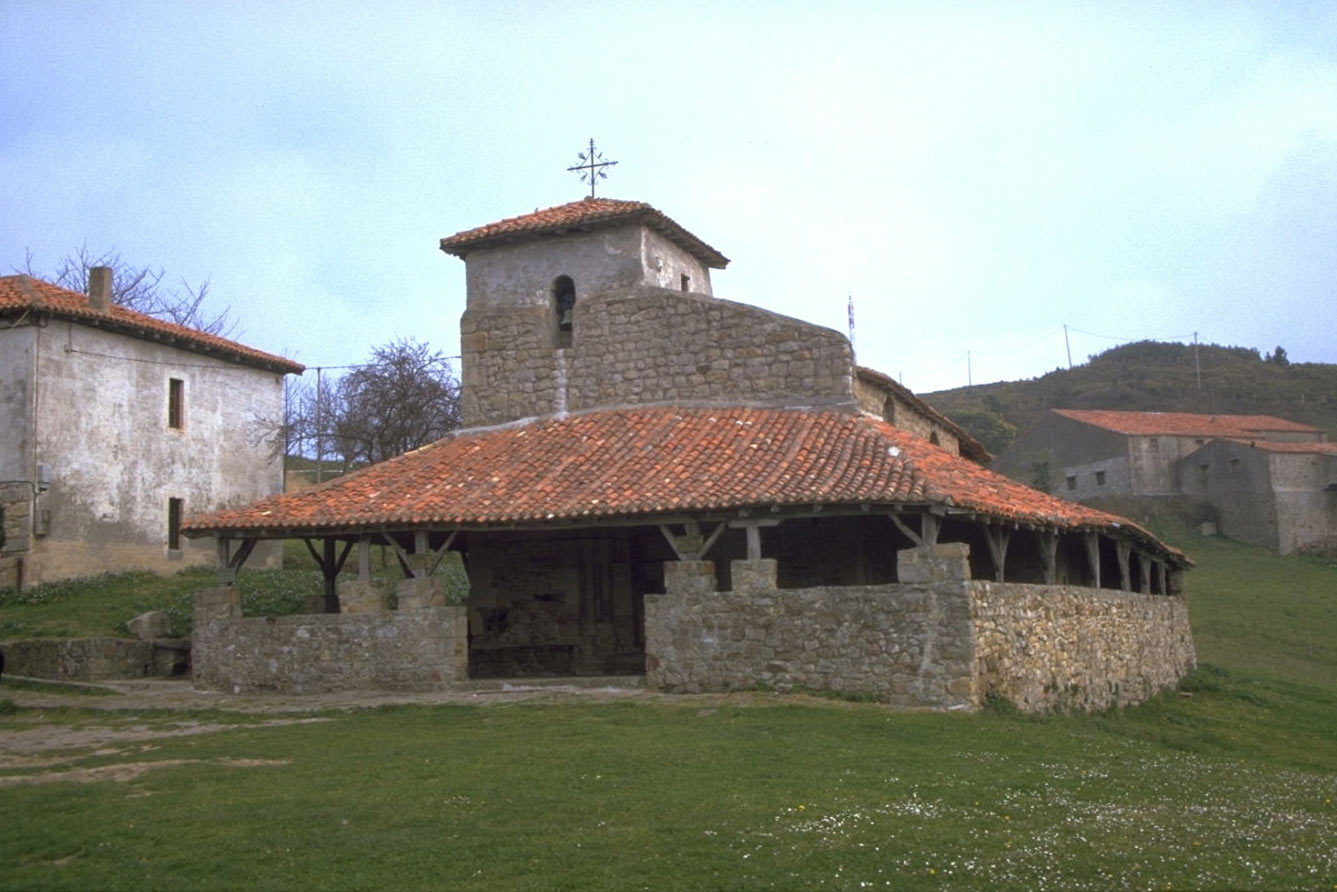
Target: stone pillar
pixel 689 577
pixel 420 592
pixel 212 604
pixel 363 597
pixel 933 563
pixel 753 576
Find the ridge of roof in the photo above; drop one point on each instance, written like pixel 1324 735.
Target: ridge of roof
pixel 1184 423
pixel 657 462
pixel 583 214
pixel 20 293
pixel 972 448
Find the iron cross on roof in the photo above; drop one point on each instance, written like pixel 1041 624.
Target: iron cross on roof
pixel 592 166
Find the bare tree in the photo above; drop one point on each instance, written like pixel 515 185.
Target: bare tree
pixel 406 397
pixel 140 288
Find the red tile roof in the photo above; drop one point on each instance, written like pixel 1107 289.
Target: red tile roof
pixel 587 213
pixel 1185 424
pixel 20 294
pixel 656 462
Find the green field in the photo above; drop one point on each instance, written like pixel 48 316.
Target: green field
pixel 1230 782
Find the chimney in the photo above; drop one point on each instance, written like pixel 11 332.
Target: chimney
pixel 99 288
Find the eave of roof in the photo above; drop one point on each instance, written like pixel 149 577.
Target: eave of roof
pixel 970 447
pixel 647 464
pixel 24 294
pixel 576 216
pixel 1291 448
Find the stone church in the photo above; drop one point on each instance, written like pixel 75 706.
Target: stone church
pixel 654 481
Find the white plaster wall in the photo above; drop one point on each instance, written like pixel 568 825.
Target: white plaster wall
pixel 16 370
pixel 623 257
pixel 102 427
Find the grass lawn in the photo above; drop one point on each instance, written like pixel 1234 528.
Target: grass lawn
pixel 1229 783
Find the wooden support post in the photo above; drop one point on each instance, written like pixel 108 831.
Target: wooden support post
pixel 329 570
pixel 905 528
pixel 931 526
pixel 1092 540
pixel 1049 554
pixel 364 559
pixel 997 538
pixel 753 542
pixel 1161 577
pixel 1124 551
pixel 227 574
pixel 1144 564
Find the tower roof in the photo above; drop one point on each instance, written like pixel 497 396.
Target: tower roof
pixel 581 216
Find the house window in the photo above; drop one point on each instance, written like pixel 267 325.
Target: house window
pixel 1071 480
pixel 564 305
pixel 686 282
pixel 1198 442
pixel 174 524
pixel 176 403
pixel 1234 464
pixel 933 438
pixel 889 410
pixel 1155 445
pixel 1100 478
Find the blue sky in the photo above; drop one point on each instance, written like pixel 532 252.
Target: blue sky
pixel 975 175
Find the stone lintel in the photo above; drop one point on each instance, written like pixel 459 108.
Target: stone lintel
pixel 933 563
pixel 689 577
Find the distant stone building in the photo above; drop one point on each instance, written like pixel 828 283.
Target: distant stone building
pixel 1271 480
pixel 656 481
pixel 115 425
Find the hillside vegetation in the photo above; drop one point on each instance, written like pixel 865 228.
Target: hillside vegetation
pixel 1151 377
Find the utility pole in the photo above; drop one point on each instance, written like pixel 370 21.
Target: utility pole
pixel 1068 345
pixel 1197 365
pixel 320 434
pixel 970 378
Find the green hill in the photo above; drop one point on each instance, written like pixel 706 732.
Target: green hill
pixel 1149 376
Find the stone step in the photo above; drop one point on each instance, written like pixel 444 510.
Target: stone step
pixel 556 681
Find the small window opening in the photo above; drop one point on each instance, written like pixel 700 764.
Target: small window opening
pixel 176 403
pixel 564 304
pixel 889 410
pixel 174 524
pixel 933 438
pixel 686 282
pixel 1199 442
pixel 1071 480
pixel 1234 464
pixel 1155 445
pixel 1100 478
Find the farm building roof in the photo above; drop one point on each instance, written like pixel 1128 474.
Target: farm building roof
pixel 653 463
pixel 1185 424
pixel 25 294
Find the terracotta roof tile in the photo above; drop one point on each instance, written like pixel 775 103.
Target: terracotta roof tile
pixel 654 462
pixel 577 215
pixel 24 293
pixel 1185 424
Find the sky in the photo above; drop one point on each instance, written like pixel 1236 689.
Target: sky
pixel 974 176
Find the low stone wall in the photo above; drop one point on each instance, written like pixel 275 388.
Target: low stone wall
pixel 909 645
pixel 935 639
pixel 80 659
pixel 1050 647
pixel 421 648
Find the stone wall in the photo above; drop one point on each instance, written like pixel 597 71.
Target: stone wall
pixel 417 649
pixel 909 644
pixel 935 639
pixel 645 346
pixel 84 659
pixel 15 533
pixel 1047 647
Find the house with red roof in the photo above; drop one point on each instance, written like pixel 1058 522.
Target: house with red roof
pixel 114 426
pixel 1269 479
pixel 657 482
